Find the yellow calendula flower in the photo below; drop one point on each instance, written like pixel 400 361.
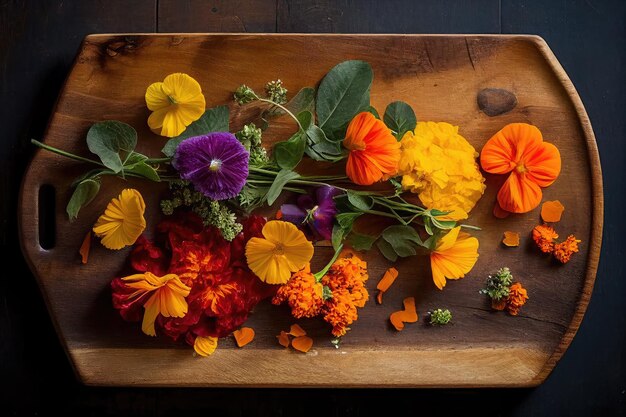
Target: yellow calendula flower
pixel 122 222
pixel 282 250
pixel 440 166
pixel 454 256
pixel 205 346
pixel 175 103
pixel 168 298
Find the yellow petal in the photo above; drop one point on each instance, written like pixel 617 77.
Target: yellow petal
pixel 205 346
pixel 151 311
pixel 156 98
pixel 448 240
pixel 182 88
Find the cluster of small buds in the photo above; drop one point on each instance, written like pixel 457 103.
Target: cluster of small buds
pixel 244 94
pixel 276 92
pixel 439 317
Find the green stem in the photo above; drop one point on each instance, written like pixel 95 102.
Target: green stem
pixel 157 160
pixel 64 153
pixel 318 276
pixel 285 109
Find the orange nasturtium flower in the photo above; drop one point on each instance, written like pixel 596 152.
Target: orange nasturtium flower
pixel 122 222
pixel 282 250
pixel 168 298
pixel 454 256
pixel 519 149
pixel 374 152
pixel 175 103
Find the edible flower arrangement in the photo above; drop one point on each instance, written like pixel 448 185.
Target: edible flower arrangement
pixel 217 253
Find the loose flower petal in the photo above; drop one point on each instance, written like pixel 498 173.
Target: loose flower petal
pixel 511 239
pixel 383 285
pixel 122 222
pixel 408 315
pixel 244 336
pixel 551 211
pixel 283 338
pixel 205 346
pixel 296 330
pixel 516 299
pixel 302 343
pixel 84 248
pixel 563 251
pixel 544 237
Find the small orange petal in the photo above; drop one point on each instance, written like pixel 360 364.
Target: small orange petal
pixel 85 247
pixel 551 211
pixel 388 278
pixel 302 343
pixel 379 297
pixel 296 330
pixel 396 320
pixel 283 338
pixel 244 336
pixel 511 239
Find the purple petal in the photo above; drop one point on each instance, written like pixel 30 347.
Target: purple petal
pixel 306 202
pixel 293 214
pixel 194 156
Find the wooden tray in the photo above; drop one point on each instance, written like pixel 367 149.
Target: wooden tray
pixel 440 77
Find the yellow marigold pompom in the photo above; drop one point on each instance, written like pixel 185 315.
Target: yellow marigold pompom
pixel 440 166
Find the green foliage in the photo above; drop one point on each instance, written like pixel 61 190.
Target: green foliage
pixel 83 194
pixel 282 178
pixel 213 120
pixel 343 93
pixel 361 242
pixel 113 142
pixel 439 317
pixel 387 250
pixel 400 118
pixel 403 239
pixel 498 285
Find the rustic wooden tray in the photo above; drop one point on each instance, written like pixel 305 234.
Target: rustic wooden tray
pixel 440 77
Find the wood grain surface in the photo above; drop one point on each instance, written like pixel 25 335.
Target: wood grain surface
pixel 440 76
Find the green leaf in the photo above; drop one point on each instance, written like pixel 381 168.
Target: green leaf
pixel 428 226
pixel 343 93
pixel 282 178
pixel 372 110
pixel 303 101
pixel 443 224
pixel 360 201
pixel 361 242
pixel 145 170
pixel 385 248
pixel 288 154
pixel 85 191
pixel 337 237
pixel 400 118
pixel 112 141
pixel 320 148
pixel 403 239
pixel 346 220
pixel 213 120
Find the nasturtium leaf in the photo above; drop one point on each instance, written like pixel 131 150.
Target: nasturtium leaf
pixel 85 191
pixel 145 170
pixel 343 93
pixel 361 242
pixel 112 141
pixel 346 220
pixel 282 178
pixel 400 118
pixel 288 154
pixel 213 120
pixel 304 100
pixel 337 236
pixel 373 110
pixel 403 239
pixel 385 248
pixel 320 148
pixel 360 201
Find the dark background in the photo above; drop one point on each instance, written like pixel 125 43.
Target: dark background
pixel 38 41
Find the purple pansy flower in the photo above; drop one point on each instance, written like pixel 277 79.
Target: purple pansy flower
pixel 215 163
pixel 318 213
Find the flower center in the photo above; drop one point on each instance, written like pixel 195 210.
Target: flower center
pixel 521 168
pixel 171 99
pixel 310 214
pixel 357 146
pixel 279 249
pixel 215 165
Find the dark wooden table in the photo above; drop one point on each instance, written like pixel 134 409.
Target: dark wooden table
pixel 38 40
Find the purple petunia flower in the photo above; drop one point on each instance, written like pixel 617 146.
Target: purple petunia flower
pixel 318 213
pixel 215 163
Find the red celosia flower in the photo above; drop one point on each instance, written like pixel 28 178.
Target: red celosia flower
pixel 223 289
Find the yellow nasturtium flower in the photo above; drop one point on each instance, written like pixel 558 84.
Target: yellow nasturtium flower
pixel 205 345
pixel 122 222
pixel 175 103
pixel 454 256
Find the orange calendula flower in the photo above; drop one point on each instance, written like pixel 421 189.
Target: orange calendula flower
pixel 519 149
pixel 303 293
pixel 205 345
pixel 374 152
pixel 454 256
pixel 175 103
pixel 168 298
pixel 282 250
pixel 516 299
pixel 544 236
pixel 122 222
pixel 564 250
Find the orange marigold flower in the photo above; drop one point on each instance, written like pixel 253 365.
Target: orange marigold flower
pixel 564 250
pixel 544 237
pixel 374 152
pixel 519 149
pixel 346 280
pixel 302 293
pixel 516 299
